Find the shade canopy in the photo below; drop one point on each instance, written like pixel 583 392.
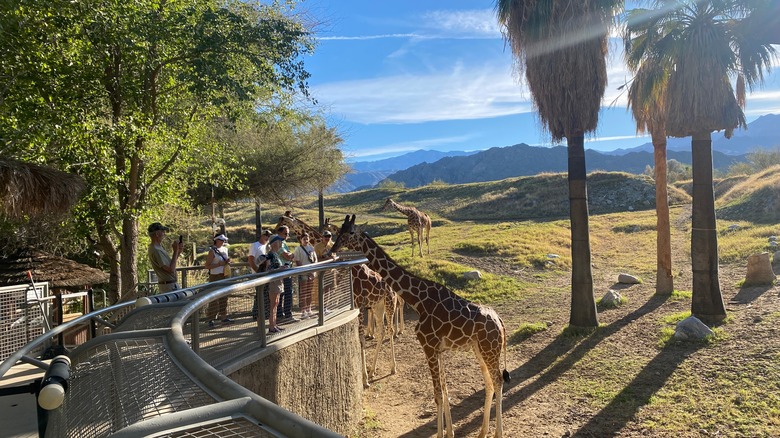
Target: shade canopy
pixel 30 189
pixel 59 272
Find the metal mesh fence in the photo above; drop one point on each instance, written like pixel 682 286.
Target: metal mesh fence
pixel 236 427
pixel 221 342
pixel 21 317
pixel 120 381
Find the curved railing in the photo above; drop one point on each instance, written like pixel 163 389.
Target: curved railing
pixel 157 371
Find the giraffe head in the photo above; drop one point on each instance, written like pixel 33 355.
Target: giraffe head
pixel 333 228
pixel 346 236
pixel 388 204
pixel 297 226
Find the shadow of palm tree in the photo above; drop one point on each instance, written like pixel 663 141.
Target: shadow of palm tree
pixel 749 294
pixel 538 364
pixel 624 406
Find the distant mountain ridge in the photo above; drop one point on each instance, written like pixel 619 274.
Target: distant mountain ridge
pixel 764 132
pixel 524 160
pixel 424 166
pixel 367 174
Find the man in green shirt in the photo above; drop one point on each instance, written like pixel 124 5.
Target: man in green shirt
pixel 163 264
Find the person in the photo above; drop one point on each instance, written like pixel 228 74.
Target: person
pixel 216 262
pixel 257 262
pixel 304 255
pixel 275 288
pixel 284 312
pixel 322 249
pixel 163 264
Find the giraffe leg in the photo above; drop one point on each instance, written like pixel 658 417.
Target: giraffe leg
pixel 370 326
pixel 489 391
pixel 445 396
pixel 389 312
pixel 399 315
pixel 411 233
pixel 362 350
pixel 378 319
pixel 419 240
pixel 432 357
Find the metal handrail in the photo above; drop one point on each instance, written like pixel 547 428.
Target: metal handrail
pixel 20 355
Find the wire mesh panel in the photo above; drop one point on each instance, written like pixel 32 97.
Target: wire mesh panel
pixel 21 316
pixel 118 382
pixel 221 342
pixel 236 427
pixel 150 317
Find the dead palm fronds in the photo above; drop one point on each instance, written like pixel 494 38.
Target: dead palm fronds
pixel 30 189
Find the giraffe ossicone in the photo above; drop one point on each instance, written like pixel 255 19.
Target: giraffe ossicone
pixel 447 322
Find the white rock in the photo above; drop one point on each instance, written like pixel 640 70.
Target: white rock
pixel 472 275
pixel 628 279
pixel 691 328
pixel 611 298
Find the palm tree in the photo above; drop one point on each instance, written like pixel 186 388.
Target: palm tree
pixel 561 48
pixel 647 100
pixel 702 43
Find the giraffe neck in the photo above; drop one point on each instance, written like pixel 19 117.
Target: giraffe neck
pixel 410 287
pixel 299 227
pixel 408 211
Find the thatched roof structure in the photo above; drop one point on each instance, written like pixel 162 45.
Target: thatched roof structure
pixel 29 189
pixel 58 271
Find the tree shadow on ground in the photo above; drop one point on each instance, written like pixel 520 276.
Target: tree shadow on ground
pixel 749 294
pixel 624 406
pixel 551 354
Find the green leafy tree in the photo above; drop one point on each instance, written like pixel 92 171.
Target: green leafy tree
pixel 703 43
pixel 122 93
pixel 561 47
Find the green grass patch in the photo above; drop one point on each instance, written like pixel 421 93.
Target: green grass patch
pixel 525 331
pixel 679 295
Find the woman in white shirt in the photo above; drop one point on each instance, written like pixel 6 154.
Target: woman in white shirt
pixel 216 262
pixel 304 255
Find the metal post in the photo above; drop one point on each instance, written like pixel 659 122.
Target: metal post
pixel 91 304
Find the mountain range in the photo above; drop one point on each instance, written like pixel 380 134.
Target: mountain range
pixel 423 167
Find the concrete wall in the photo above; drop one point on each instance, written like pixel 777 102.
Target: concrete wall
pixel 318 377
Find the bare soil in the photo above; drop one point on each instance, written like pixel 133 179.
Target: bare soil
pixel 554 384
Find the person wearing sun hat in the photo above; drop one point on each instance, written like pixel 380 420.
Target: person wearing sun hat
pixel 164 265
pixel 216 262
pixel 258 256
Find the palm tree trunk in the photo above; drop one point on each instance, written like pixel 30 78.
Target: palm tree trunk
pixel 707 302
pixel 664 283
pixel 583 304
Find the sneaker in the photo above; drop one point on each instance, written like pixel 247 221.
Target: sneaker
pixel 274 330
pixel 227 321
pixel 211 324
pixel 326 311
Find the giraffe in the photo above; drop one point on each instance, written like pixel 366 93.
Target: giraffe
pixel 370 291
pixel 398 317
pixel 417 222
pixel 447 322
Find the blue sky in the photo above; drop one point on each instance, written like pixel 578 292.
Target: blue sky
pixel 395 77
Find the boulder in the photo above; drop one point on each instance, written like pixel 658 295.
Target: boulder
pixel 759 270
pixel 472 275
pixel 611 298
pixel 624 278
pixel 691 328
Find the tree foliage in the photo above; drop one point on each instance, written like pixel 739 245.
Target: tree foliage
pixel 123 93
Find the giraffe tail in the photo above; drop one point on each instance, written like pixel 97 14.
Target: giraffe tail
pixel 505 373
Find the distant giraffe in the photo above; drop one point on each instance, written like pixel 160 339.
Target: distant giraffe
pixel 398 317
pixel 447 322
pixel 417 222
pixel 370 290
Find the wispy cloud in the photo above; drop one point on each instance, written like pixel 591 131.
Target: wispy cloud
pixel 459 94
pixel 372 37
